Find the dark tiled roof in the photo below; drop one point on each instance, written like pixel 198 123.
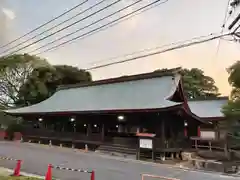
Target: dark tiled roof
pixel 208 108
pixel 148 91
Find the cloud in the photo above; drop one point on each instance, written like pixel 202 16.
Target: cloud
pixel 9 13
pixel 6 18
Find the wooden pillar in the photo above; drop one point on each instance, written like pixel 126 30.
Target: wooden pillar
pixel 163 131
pixel 103 132
pixel 89 130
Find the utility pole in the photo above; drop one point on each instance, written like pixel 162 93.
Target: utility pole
pixel 234 22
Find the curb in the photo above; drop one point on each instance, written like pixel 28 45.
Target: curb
pixel 207 171
pixel 24 173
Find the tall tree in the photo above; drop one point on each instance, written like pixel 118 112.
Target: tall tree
pixel 14 71
pixel 43 82
pixel 198 85
pixel 232 109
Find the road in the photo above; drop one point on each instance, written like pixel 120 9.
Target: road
pixel 37 157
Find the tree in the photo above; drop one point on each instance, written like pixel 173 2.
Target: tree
pixel 232 109
pixel 43 82
pixel 14 71
pixel 196 85
pixel 6 120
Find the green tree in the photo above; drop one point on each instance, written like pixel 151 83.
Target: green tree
pixel 43 82
pixel 6 120
pixel 232 109
pixel 197 85
pixel 14 71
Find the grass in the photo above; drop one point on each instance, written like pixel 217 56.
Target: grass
pixel 17 178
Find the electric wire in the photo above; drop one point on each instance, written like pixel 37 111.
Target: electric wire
pixel 158 52
pixel 99 28
pixel 53 27
pixel 48 22
pixel 66 27
pixel 222 29
pixel 87 26
pixel 151 49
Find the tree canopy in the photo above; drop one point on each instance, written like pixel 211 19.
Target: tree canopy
pixel 14 71
pixel 43 82
pixel 232 109
pixel 196 85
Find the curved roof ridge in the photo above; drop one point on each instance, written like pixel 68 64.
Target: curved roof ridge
pixel 154 74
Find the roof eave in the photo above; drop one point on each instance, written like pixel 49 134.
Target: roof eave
pixel 96 111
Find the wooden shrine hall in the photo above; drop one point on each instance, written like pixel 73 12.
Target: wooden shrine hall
pixel 116 113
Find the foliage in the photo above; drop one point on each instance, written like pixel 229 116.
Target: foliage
pixel 232 109
pixel 196 85
pixel 43 82
pixel 14 71
pixel 18 178
pixel 14 127
pixel 5 120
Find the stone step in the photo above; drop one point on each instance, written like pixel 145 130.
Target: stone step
pixel 117 149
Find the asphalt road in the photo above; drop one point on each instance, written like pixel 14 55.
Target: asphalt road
pixel 37 157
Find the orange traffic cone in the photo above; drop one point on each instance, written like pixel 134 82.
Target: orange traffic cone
pixel 17 168
pixel 93 175
pixel 49 173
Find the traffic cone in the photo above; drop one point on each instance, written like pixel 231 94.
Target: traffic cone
pixel 49 173
pixel 17 168
pixel 92 175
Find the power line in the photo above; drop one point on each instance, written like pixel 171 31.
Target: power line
pixel 99 28
pixel 159 52
pixel 48 22
pixel 223 26
pixel 66 27
pixel 51 28
pixel 87 26
pixel 151 49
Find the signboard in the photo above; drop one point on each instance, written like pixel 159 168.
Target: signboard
pixel 208 134
pixel 146 143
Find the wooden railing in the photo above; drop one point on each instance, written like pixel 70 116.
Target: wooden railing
pixel 120 139
pixel 74 136
pixel 172 143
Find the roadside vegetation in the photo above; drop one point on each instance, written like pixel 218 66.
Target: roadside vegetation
pixel 18 178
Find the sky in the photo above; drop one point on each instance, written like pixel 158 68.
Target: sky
pixel 173 21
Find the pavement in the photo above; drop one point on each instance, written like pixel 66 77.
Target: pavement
pixel 36 158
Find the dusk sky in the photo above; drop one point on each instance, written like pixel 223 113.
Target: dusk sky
pixel 173 21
